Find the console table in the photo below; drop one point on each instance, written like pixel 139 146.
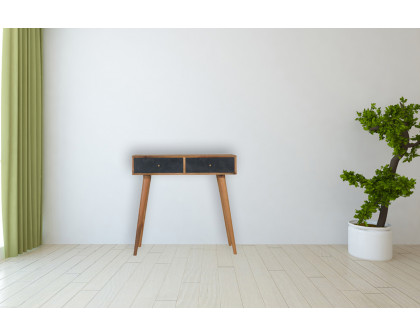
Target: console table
pixel 219 165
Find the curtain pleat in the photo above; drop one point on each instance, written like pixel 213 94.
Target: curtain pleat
pixel 21 135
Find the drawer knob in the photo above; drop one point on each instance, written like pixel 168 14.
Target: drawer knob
pixel 209 164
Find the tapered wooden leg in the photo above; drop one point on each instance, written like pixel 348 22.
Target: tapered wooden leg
pixel 221 181
pixel 224 213
pixel 142 211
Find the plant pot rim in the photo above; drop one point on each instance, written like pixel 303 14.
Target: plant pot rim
pixel 353 222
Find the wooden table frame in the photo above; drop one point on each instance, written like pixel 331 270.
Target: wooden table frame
pixel 221 182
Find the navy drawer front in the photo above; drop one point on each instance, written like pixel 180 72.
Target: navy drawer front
pixel 158 165
pixel 211 165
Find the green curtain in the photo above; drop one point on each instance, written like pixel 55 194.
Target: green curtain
pixel 21 139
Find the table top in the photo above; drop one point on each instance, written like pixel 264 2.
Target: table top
pixel 183 155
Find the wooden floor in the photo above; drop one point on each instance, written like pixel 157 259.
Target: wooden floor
pixel 167 276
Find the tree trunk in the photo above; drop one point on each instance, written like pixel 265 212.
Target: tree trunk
pixel 383 212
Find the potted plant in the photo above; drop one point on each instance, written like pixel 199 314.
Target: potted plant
pixel 372 240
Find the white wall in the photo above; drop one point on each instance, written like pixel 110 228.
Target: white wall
pixel 283 100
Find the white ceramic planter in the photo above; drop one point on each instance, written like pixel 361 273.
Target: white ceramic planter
pixel 370 243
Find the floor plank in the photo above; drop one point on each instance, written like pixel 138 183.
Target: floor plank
pixel 394 279
pixel 188 295
pixel 270 261
pixel 336 297
pixel 250 294
pixel 211 276
pixel 357 281
pixel 64 296
pixel 158 248
pixel 93 270
pixel 406 271
pixel 410 260
pixel 133 285
pixel 87 250
pixel 110 290
pixel 13 265
pixel 172 283
pixel 91 258
pixel 38 268
pixel 182 251
pixel 320 250
pixel 382 301
pixel 312 294
pixel 224 256
pixel 289 291
pixel 413 249
pixel 48 292
pixel 164 304
pixel 149 292
pixel 209 296
pixel 142 252
pixel 40 283
pixel 81 299
pixel 400 298
pixel 103 277
pixel 192 271
pixel 229 289
pixel 299 255
pixel 167 255
pixel 11 290
pixel 266 285
pixel 358 299
pixel 375 280
pixel 328 272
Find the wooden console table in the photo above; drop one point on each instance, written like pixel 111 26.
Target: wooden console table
pixel 219 165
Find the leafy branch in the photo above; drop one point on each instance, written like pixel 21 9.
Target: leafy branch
pixel 393 126
pixel 383 188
